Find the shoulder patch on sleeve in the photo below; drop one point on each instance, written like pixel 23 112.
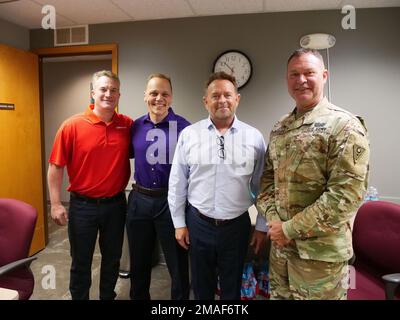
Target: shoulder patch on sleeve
pixel 358 151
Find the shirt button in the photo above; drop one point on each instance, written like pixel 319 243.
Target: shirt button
pixel 154 183
pixel 152 169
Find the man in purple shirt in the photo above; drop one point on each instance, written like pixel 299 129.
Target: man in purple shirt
pixel 154 138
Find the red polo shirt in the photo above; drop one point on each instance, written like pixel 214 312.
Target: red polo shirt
pixel 96 154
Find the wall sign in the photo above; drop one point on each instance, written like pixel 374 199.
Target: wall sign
pixel 7 106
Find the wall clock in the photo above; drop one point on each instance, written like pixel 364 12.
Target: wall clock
pixel 235 63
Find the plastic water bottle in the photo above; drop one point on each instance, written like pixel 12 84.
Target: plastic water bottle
pixel 371 194
pixel 374 194
pixel 367 195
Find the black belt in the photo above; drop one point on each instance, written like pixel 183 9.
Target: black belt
pixel 157 192
pixel 118 196
pixel 216 222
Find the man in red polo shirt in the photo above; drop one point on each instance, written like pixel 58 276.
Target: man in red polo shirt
pixel 94 146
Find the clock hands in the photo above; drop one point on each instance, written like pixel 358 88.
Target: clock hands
pixel 230 68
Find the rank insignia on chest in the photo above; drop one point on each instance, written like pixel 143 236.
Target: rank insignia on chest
pixel 358 151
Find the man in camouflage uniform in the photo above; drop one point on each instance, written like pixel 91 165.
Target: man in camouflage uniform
pixel 314 179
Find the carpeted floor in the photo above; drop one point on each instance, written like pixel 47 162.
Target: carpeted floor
pixel 55 260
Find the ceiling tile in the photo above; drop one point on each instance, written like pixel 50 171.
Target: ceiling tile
pixel 373 3
pixel 16 12
pixel 155 9
pixel 61 21
pixel 88 11
pixel 220 7
pixel 28 13
pixel 300 5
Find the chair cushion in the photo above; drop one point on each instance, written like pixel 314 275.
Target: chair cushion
pixel 376 236
pixel 20 280
pixel 368 287
pixel 17 224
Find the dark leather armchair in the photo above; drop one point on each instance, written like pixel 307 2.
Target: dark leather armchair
pixel 17 224
pixel 376 242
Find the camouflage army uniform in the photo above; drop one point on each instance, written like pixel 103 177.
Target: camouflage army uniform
pixel 314 179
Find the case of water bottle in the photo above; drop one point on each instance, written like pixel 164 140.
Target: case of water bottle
pixel 371 194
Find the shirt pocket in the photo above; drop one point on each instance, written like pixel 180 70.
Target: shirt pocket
pixel 307 158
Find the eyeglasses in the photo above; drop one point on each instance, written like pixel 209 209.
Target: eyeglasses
pixel 221 143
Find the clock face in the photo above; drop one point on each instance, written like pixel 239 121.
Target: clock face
pixel 234 63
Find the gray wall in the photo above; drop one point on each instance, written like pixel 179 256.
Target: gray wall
pixel 365 68
pixel 66 91
pixel 13 35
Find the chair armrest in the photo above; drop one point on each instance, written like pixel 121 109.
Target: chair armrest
pixel 393 278
pixel 392 281
pixel 16 264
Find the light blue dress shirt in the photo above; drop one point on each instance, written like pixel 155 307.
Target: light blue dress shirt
pixel 220 188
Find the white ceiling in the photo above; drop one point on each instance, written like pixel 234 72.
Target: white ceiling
pixel 28 13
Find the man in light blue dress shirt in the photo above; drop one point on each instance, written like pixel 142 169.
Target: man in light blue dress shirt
pixel 214 179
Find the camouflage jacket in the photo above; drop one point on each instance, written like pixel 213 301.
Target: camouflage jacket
pixel 314 179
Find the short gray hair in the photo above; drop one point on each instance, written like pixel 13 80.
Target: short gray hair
pixel 303 51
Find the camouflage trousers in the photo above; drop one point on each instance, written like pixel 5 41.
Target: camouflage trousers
pixel 292 277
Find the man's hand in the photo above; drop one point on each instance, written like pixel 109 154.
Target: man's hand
pixel 276 234
pixel 59 214
pixel 182 236
pixel 259 240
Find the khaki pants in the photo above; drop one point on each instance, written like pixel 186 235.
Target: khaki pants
pixel 292 277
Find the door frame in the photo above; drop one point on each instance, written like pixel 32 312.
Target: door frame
pixel 81 50
pixel 65 51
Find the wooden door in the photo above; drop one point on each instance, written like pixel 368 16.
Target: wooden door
pixel 21 175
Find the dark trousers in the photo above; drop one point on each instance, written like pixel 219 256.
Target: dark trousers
pixel 149 218
pixel 86 221
pixel 217 251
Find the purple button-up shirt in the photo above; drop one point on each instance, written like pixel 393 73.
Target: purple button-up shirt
pixel 153 148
